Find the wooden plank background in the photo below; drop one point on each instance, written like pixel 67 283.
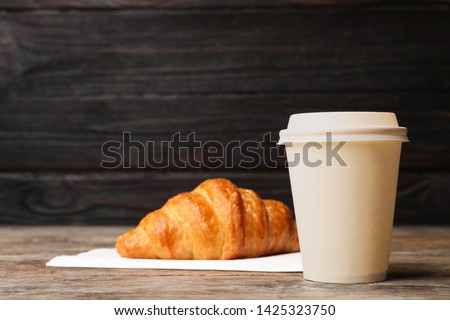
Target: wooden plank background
pixel 194 4
pixel 75 74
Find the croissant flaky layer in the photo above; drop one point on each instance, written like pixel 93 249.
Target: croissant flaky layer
pixel 216 220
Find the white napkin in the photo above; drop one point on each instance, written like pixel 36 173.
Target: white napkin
pixel 108 258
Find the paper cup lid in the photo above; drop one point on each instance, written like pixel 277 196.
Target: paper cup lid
pixel 343 126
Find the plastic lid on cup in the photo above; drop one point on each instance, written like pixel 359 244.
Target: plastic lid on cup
pixel 343 126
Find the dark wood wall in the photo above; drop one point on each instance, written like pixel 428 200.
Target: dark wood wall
pixel 75 74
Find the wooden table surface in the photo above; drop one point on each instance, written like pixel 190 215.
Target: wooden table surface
pixel 419 269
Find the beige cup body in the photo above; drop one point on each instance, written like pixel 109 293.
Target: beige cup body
pixel 345 213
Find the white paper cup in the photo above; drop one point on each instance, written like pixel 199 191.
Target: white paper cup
pixel 344 191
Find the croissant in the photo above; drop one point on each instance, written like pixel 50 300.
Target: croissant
pixel 216 220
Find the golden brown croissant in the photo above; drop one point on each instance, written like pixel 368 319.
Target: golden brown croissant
pixel 214 221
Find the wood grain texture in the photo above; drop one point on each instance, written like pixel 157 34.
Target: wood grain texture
pixel 419 269
pixel 125 52
pixel 124 198
pixel 72 80
pixel 164 4
pixel 74 138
